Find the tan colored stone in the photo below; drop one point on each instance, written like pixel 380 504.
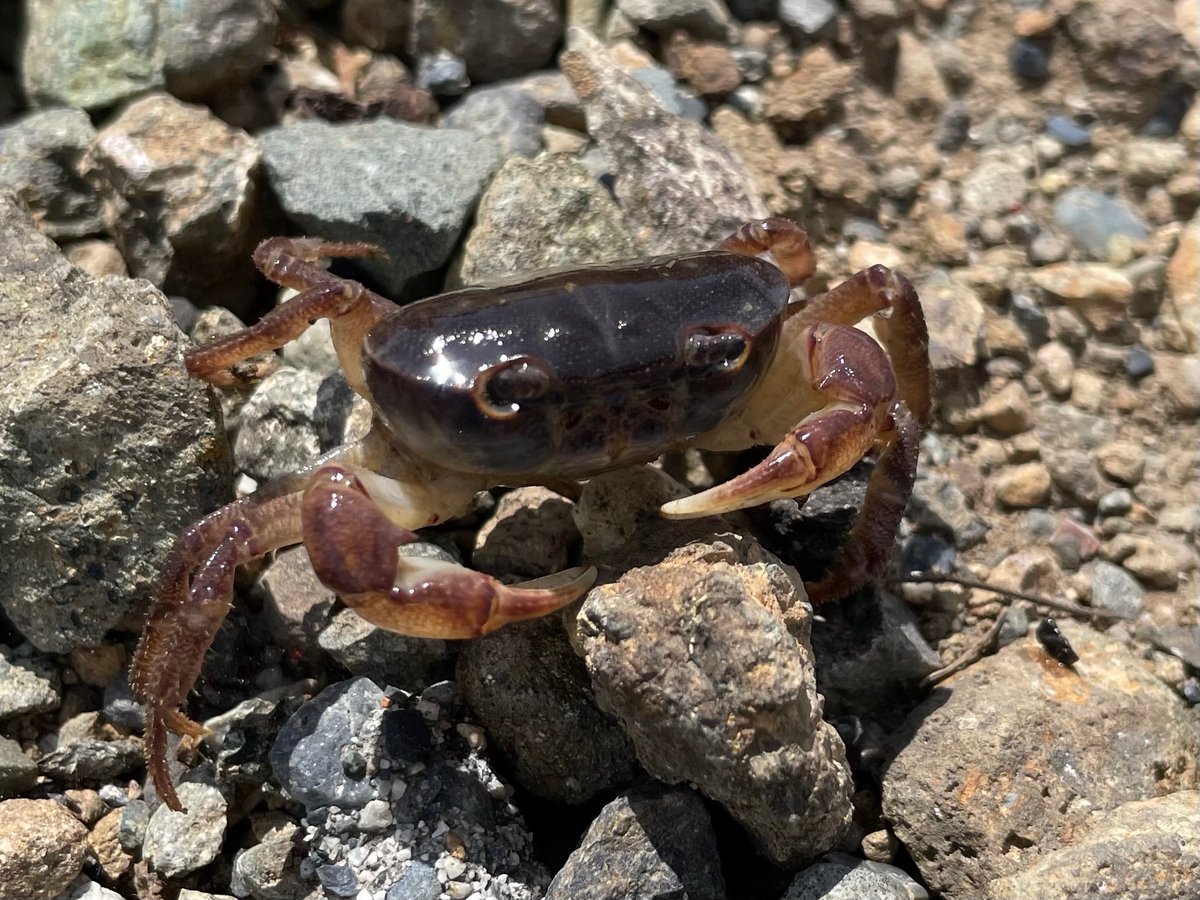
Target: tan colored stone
pixel 98 665
pixel 760 149
pixel 42 847
pixel 1008 411
pixel 1187 20
pixel 810 94
pixel 708 67
pixel 1026 486
pixel 864 254
pixel 1099 292
pixel 1055 366
pixel 1089 391
pixel 1122 461
pixel 1181 309
pixel 947 237
pixel 111 856
pixel 1034 22
pixel 918 83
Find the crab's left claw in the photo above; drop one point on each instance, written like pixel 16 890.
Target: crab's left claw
pixel 357 550
pixel 437 599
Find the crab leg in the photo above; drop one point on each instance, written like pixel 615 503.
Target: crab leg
pixel 194 596
pixel 865 552
pixel 784 240
pixel 861 413
pixel 354 543
pixel 291 262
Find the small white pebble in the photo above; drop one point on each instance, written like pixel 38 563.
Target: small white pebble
pixel 458 891
pixel 454 867
pixel 376 815
pixel 245 485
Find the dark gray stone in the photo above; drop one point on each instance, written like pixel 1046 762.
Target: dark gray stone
pixel 419 882
pixel 495 39
pixel 524 680
pixel 1115 590
pixel 40 156
pixel 938 504
pixel 309 754
pixel 506 114
pixel 357 193
pixel 870 656
pixel 107 447
pixel 18 773
pixel 651 843
pixel 837 876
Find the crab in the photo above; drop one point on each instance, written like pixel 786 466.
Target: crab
pixel 560 377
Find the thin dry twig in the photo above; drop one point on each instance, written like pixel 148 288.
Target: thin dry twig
pixel 974 653
pixel 1082 612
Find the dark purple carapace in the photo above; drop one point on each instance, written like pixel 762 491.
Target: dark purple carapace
pixel 592 368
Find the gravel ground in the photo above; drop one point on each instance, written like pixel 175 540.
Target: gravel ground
pixel 691 728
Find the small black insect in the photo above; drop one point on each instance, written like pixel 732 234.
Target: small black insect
pixel 1055 642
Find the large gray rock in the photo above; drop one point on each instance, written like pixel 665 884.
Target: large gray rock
pixel 680 187
pixel 1148 849
pixel 107 448
pixel 690 651
pixel 181 198
pixel 40 156
pixel 651 842
pixel 543 213
pixel 407 188
pixel 95 54
pixel 1013 756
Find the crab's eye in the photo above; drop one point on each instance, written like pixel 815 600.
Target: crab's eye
pixel 502 389
pixel 716 350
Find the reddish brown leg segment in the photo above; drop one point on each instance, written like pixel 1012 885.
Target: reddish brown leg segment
pixel 865 553
pixel 862 413
pixel 193 599
pixel 356 550
pixel 291 262
pixel 786 242
pixel 851 372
